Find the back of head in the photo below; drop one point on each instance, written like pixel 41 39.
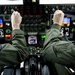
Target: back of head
pixel 58 17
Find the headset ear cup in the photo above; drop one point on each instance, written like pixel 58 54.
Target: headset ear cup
pixel 45 70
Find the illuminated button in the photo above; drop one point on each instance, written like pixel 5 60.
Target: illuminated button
pixel 8 31
pixel 33 0
pixel 8 36
pixel 8 24
pixel 43 36
pixel 38 51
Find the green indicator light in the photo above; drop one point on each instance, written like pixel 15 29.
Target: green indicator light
pixel 8 31
pixel 43 36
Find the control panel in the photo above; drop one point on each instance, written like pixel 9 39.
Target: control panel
pixel 35 22
pixel 36 19
pixel 68 23
pixel 5 22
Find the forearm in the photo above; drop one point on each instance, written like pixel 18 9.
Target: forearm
pixel 18 38
pixel 19 42
pixel 9 57
pixel 53 34
pixel 15 53
pixel 57 50
pixel 65 53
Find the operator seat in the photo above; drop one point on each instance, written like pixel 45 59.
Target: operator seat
pixel 34 65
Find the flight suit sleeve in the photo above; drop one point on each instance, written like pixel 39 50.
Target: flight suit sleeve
pixel 57 50
pixel 12 54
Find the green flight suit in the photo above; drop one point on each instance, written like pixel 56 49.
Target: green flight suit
pixel 12 54
pixel 57 50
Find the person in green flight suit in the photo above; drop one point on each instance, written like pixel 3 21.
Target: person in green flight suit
pixel 12 54
pixel 57 50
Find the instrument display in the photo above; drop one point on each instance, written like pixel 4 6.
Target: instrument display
pixel 66 21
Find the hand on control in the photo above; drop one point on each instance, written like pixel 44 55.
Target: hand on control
pixel 16 20
pixel 58 17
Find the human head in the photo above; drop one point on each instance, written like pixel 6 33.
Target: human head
pixel 58 17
